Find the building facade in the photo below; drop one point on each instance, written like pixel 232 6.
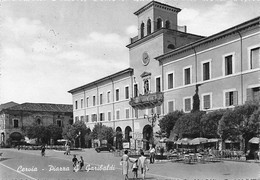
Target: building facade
pixel 14 118
pixel 167 67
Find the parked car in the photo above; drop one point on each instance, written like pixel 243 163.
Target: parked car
pixel 105 148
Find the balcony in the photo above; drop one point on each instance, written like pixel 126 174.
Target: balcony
pixel 150 100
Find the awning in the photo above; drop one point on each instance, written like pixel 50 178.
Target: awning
pixel 254 140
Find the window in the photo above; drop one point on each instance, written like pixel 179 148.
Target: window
pixel 158 84
pixel 170 106
pixel 100 99
pixel 81 118
pixel 206 71
pixel 255 58
pixel 187 76
pixel 187 104
pixel 136 113
pixel 87 118
pixel 142 30
pixel 58 122
pixel 167 24
pixel 109 116
pixel 16 123
pixel 38 120
pixel 229 65
pixel 149 27
pixel 253 94
pixel 117 94
pixel 118 114
pixel 108 97
pixel 94 100
pixel 170 81
pixel 81 103
pixel 159 23
pixel 101 117
pixel 87 100
pixel 158 109
pixel 76 104
pixel 146 86
pixel 127 113
pixel 127 92
pixel 94 118
pixel 231 98
pixel 206 101
pixel 135 90
pixel 76 118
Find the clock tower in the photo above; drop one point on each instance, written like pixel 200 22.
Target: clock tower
pixel 158 33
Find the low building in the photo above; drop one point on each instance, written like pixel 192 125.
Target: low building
pixel 13 118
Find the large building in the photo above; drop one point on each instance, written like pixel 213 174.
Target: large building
pixel 167 67
pixel 14 117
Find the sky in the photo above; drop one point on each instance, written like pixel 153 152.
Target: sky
pixel 48 47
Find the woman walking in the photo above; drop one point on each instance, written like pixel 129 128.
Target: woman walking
pixel 125 165
pixel 142 163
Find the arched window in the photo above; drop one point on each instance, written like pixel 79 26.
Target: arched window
pixel 171 46
pixel 142 30
pixel 149 26
pixel 159 23
pixel 167 24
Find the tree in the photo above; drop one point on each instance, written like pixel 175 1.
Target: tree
pixel 196 101
pixel 209 123
pixel 167 123
pixel 54 132
pixel 188 125
pixel 236 124
pixel 76 133
pixel 103 132
pixel 36 131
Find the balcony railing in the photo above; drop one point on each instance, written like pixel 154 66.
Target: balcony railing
pixel 147 100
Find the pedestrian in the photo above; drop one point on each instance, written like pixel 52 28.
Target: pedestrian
pixel 135 168
pixel 43 150
pixel 125 165
pixel 74 160
pixel 81 163
pixel 152 154
pixel 142 163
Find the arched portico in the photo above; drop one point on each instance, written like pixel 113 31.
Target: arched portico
pixel 128 130
pixel 147 136
pixel 119 137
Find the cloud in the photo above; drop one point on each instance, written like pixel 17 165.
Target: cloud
pixel 212 20
pixel 132 31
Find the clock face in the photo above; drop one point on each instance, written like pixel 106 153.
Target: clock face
pixel 145 58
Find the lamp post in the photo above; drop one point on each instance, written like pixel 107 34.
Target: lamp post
pixel 152 119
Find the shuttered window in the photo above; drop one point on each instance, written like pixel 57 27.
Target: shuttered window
pixel 170 81
pixel 127 113
pixel 255 58
pixel 206 102
pixel 118 114
pixel 170 106
pixel 206 71
pixel 187 104
pixel 109 116
pixel 187 76
pixel 158 84
pixel 228 65
pixel 231 98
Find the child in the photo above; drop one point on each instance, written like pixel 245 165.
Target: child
pixel 142 162
pixel 135 168
pixel 74 160
pixel 81 163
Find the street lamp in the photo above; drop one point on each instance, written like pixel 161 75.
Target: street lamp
pixel 152 119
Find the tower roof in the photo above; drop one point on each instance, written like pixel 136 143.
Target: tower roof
pixel 159 5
